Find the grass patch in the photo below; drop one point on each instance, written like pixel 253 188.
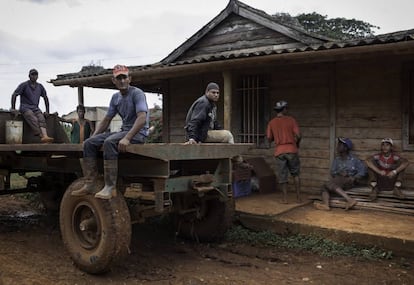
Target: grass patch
pixel 312 243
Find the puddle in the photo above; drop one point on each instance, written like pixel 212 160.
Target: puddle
pixel 20 221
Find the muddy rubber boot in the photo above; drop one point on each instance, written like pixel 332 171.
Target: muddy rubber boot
pixel 373 195
pixel 90 172
pixel 296 179
pixel 110 176
pixel 351 202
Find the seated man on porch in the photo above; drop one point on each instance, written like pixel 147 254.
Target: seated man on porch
pixel 385 168
pixel 346 172
pixel 201 123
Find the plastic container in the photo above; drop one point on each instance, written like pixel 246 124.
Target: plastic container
pixel 242 188
pixel 14 132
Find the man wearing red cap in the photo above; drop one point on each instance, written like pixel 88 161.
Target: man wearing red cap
pixel 30 92
pixel 386 167
pixel 131 104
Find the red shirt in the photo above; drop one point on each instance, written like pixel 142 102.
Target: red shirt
pixel 282 131
pixel 387 163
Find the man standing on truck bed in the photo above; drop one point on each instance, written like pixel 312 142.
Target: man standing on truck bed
pixel 131 104
pixel 30 92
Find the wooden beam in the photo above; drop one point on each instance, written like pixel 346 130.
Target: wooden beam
pixel 227 96
pixel 332 115
pixel 80 96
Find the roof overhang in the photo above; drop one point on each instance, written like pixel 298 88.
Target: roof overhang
pixel 152 75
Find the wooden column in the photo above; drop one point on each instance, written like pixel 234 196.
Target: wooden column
pixel 227 94
pixel 332 114
pixel 80 96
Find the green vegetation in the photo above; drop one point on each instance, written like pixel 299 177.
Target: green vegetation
pixel 334 28
pixel 310 243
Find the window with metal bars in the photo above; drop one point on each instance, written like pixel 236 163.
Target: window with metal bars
pixel 251 90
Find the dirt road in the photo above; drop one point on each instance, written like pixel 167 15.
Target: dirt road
pixel 31 252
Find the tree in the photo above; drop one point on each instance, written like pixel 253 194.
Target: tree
pixel 335 28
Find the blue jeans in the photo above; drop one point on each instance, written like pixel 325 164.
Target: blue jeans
pixel 109 141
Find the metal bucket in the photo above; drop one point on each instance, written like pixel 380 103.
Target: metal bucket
pixel 14 132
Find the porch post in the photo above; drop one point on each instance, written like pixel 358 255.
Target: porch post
pixel 80 96
pixel 332 114
pixel 227 79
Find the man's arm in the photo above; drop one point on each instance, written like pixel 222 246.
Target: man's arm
pixel 298 138
pixel 138 125
pixel 269 133
pixel 13 100
pixel 91 126
pixel 198 116
pixel 361 169
pixel 403 165
pixel 103 125
pixel 46 104
pixel 46 99
pixel 371 165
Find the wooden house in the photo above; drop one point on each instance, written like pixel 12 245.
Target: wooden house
pixel 362 89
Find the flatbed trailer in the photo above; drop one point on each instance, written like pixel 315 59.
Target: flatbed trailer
pixel 191 182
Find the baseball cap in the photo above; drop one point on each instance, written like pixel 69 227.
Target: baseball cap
pixel 346 141
pixel 280 105
pixel 120 69
pixel 387 140
pixel 33 71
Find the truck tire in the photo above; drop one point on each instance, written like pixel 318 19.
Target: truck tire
pixel 209 223
pixel 96 232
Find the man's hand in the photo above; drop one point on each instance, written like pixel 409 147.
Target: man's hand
pixel 123 144
pixel 191 141
pixel 14 112
pixel 392 173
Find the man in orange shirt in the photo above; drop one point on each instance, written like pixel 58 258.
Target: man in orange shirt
pixel 284 131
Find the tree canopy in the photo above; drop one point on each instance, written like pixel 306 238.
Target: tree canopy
pixel 335 28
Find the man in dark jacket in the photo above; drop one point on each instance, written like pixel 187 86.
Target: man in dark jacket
pixel 201 121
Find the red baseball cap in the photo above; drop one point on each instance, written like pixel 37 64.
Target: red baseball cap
pixel 120 69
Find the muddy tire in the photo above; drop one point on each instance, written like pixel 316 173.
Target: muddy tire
pixel 209 223
pixel 96 232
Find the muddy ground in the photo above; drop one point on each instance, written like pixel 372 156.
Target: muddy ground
pixel 31 252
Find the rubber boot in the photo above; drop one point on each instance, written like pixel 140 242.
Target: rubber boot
pixel 296 179
pixel 351 202
pixel 110 176
pixel 374 191
pixel 90 172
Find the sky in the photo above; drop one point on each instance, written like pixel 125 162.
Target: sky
pixel 61 36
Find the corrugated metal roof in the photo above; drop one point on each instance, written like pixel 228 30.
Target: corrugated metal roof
pixel 400 36
pixel 304 42
pixel 389 38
